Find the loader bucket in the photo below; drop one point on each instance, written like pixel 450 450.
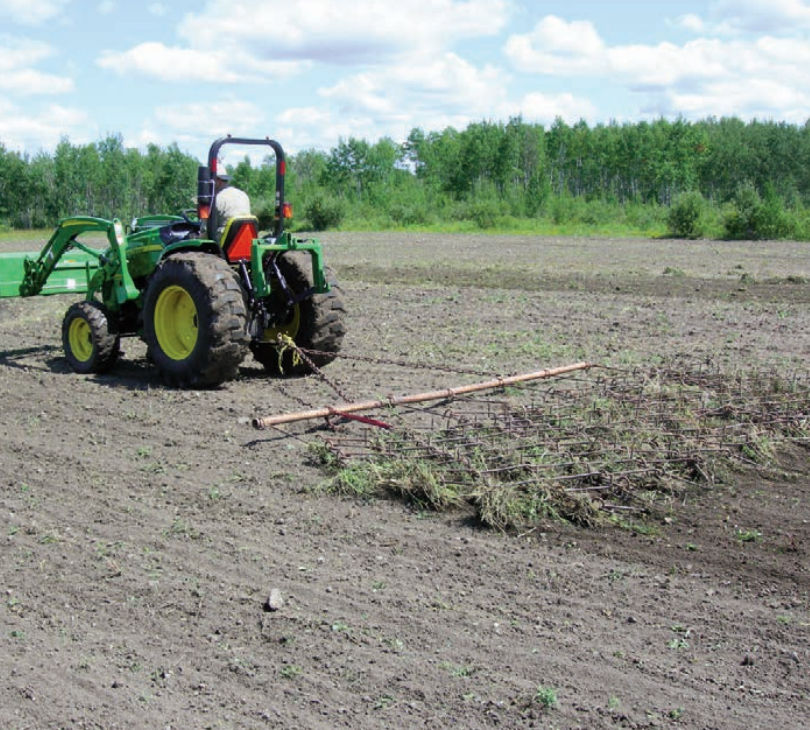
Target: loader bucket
pixel 69 277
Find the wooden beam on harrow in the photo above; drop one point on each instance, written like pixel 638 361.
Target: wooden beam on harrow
pixel 393 400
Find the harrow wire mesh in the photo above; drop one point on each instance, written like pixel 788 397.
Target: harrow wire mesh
pixel 581 447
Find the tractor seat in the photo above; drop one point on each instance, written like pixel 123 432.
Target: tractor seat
pixel 237 238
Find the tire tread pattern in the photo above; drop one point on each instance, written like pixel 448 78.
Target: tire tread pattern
pixel 104 334
pixel 323 318
pixel 222 336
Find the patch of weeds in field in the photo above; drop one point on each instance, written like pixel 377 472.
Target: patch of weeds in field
pixel 674 272
pixel 290 671
pixel 530 343
pixel 746 535
pixel 385 702
pixel 546 697
pixel 457 670
pixel 356 480
pixel 394 644
pixel 614 703
pixel 419 483
pixel 414 480
pixel 759 447
pixel 635 526
pixel 681 640
pixel 182 528
pixel 615 576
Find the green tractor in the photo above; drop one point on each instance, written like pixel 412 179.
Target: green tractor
pixel 199 304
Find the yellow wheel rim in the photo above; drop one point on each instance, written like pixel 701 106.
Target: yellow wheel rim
pixel 80 338
pixel 176 322
pixel 290 329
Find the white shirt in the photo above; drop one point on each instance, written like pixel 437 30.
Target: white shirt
pixel 230 203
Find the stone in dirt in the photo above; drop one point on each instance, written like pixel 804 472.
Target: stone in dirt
pixel 275 601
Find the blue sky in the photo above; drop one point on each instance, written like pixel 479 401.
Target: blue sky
pixel 310 72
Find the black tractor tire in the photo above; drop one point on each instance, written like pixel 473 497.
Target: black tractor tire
pixel 90 337
pixel 195 320
pixel 316 323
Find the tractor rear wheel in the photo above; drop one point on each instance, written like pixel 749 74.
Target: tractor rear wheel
pixel 90 337
pixel 316 323
pixel 195 320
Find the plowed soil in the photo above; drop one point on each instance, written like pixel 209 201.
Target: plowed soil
pixel 145 528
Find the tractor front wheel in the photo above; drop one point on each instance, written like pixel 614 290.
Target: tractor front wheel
pixel 195 320
pixel 90 338
pixel 315 323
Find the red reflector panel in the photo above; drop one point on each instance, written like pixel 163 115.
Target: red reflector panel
pixel 238 249
pixel 287 211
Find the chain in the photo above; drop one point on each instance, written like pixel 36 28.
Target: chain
pixel 285 341
pixel 398 363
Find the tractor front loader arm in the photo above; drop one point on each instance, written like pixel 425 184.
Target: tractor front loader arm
pixel 98 264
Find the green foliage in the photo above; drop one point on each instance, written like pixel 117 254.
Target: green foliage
pixel 687 216
pixel 265 211
pixel 709 178
pixel 324 211
pixel 740 216
pixel 750 216
pixel 546 697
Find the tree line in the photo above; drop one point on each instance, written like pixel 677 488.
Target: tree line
pixel 718 177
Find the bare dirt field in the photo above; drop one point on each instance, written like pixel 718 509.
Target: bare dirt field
pixel 144 528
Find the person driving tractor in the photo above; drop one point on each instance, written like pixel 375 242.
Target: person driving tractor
pixel 230 202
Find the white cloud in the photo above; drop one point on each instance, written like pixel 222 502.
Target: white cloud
pixel 761 99
pixel 559 48
pixel 708 76
pixel 16 58
pixel 690 22
pixel 323 30
pixel 167 63
pixel 106 7
pixel 402 90
pixel 761 16
pixel 667 64
pixel 158 9
pixel 28 82
pixel 406 74
pixel 226 116
pixel 260 40
pixel 26 130
pixel 16 54
pixel 545 108
pixel 32 12
pixel 432 93
pixel 445 90
pixel 300 128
